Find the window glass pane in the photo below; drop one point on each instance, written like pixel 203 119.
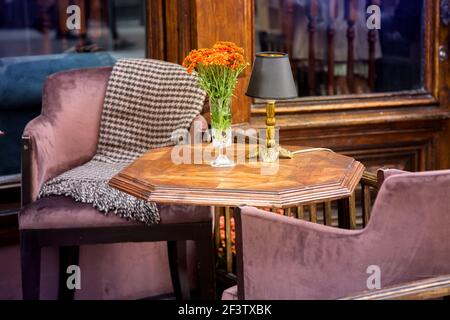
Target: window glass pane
pixel 41 27
pixel 352 51
pixel 41 37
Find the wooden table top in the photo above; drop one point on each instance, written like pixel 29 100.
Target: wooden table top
pixel 310 177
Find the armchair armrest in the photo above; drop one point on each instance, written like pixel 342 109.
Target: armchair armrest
pixel 370 179
pixel 432 288
pixel 65 134
pixel 384 173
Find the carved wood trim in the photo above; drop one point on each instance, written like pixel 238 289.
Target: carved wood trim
pixel 366 117
pixel 399 100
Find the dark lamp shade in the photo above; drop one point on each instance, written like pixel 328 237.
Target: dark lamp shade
pixel 271 77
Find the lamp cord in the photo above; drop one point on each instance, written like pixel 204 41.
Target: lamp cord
pixel 311 149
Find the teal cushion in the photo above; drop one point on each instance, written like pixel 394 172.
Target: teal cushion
pixel 21 83
pixel 12 123
pixel 22 78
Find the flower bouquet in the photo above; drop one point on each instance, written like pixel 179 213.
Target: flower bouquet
pixel 217 70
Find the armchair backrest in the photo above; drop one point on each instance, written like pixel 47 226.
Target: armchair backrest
pixel 419 200
pixel 411 216
pixel 68 127
pixel 69 122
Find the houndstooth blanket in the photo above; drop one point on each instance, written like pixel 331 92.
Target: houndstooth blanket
pixel 146 101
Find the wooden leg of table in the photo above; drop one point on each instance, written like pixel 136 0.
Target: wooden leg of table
pixel 178 269
pixel 205 252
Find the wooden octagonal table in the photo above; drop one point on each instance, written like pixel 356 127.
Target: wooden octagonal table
pixel 176 176
pixel 183 175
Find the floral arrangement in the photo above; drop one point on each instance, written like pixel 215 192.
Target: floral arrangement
pixel 217 70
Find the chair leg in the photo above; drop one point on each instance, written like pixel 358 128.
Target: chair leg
pixel 67 256
pixel 30 252
pixel 178 269
pixel 205 252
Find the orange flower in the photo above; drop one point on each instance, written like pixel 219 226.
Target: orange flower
pixel 228 46
pixel 223 53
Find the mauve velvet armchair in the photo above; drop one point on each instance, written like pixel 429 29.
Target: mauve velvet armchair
pixel 407 237
pixel 64 136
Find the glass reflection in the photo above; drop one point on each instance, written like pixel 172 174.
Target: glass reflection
pixel 334 48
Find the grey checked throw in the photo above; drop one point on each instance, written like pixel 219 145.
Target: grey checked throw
pixel 146 101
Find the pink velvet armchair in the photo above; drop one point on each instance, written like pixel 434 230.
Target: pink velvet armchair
pixel 64 136
pixel 407 239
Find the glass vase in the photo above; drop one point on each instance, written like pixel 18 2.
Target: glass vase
pixel 221 129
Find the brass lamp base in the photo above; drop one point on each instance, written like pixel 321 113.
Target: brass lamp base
pixel 271 152
pixel 267 154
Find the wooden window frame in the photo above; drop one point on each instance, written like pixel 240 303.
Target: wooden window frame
pixel 429 95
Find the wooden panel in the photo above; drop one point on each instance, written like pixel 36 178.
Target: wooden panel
pixel 180 34
pixel 155 30
pixel 191 24
pixel 229 21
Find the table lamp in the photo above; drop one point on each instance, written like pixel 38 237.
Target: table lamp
pixel 271 79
